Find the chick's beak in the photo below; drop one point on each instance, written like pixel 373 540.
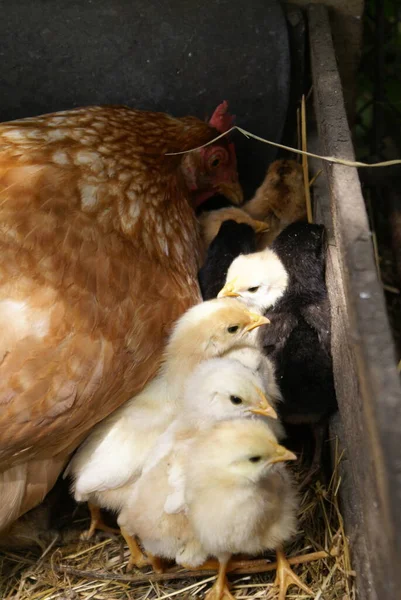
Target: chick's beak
pixel 264 407
pixel 231 190
pixel 256 321
pixel 228 290
pixel 260 226
pixel 281 454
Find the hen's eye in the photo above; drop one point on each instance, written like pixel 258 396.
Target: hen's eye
pixel 253 289
pixel 236 399
pixel 232 328
pixel 255 459
pixel 215 163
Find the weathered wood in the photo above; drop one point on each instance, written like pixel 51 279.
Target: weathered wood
pixel 367 385
pixel 346 386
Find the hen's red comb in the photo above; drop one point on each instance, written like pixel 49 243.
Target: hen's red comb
pixel 221 118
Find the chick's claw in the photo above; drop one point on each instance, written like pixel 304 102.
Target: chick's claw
pixel 220 591
pixel 97 523
pixel 285 577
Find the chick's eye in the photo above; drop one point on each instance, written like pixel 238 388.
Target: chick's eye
pixel 232 328
pixel 236 399
pixel 253 289
pixel 255 459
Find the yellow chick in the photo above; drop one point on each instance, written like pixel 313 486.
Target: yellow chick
pixel 112 457
pixel 218 389
pixel 280 200
pixel 258 279
pixel 217 492
pixel 211 221
pixel 240 498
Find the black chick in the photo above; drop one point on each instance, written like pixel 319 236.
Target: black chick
pixel 232 239
pixel 298 337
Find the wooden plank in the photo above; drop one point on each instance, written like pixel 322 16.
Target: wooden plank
pixel 346 375
pixel 367 384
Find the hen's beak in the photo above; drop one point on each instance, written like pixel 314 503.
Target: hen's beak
pixel 264 407
pixel 256 321
pixel 260 226
pixel 281 454
pixel 232 191
pixel 228 290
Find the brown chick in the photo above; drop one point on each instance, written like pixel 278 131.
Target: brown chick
pixel 280 200
pixel 99 253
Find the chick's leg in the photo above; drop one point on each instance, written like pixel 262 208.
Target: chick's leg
pixel 285 577
pixel 220 589
pixel 138 558
pixel 157 563
pixel 97 523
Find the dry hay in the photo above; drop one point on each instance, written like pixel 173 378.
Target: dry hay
pixel 96 569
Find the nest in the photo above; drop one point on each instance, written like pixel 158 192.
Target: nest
pixel 74 569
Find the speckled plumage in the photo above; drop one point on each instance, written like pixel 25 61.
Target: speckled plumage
pixel 99 254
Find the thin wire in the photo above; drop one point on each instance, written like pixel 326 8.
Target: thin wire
pixel 332 159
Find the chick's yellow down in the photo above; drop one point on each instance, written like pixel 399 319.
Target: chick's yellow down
pixel 237 496
pixel 262 367
pixel 113 455
pixel 258 279
pixel 211 221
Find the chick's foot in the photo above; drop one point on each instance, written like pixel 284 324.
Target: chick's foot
pixel 220 590
pixel 137 558
pixel 97 523
pixel 156 562
pixel 285 577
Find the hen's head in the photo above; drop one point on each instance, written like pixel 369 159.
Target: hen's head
pixel 213 169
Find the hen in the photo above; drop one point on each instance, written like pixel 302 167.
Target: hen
pixel 99 256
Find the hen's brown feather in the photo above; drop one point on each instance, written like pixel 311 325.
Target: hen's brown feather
pixel 98 256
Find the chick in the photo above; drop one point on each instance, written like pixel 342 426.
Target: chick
pixel 112 457
pixel 236 497
pixel 298 339
pixel 232 239
pixel 280 200
pixel 211 222
pixel 240 498
pixel 258 279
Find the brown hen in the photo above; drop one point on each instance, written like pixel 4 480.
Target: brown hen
pixel 98 257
